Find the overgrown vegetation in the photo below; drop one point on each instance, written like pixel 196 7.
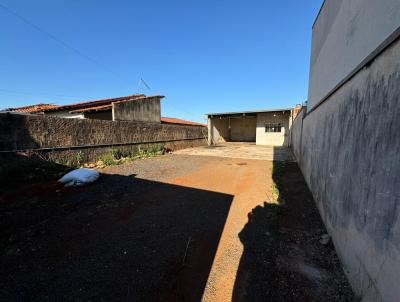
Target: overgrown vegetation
pixel 125 155
pixel 79 158
pixel 277 172
pixel 19 170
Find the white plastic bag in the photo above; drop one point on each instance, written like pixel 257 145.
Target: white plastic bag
pixel 79 177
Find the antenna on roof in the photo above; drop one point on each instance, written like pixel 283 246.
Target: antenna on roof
pixel 144 83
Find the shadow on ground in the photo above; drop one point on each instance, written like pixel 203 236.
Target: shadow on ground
pixel 120 239
pixel 18 170
pixel 283 259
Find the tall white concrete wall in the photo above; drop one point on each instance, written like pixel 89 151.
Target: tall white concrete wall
pixel 345 33
pixel 348 151
pixel 296 133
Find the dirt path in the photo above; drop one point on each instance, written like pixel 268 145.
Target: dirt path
pixel 171 228
pixel 250 183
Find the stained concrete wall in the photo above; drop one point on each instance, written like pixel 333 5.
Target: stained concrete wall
pixel 344 34
pixel 349 155
pixel 220 131
pixel 273 138
pixel 243 129
pixel 144 110
pixel 296 133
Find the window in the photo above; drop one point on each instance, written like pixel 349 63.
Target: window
pixel 273 127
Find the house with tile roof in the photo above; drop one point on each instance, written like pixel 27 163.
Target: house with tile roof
pixel 32 108
pixel 136 107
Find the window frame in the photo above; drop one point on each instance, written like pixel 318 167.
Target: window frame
pixel 273 127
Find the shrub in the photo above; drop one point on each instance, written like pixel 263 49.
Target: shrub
pixel 108 159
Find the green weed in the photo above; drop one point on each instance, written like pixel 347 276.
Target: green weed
pixel 125 155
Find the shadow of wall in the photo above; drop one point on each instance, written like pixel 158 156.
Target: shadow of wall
pixel 14 133
pixel 35 147
pixel 120 239
pixel 279 239
pixel 17 170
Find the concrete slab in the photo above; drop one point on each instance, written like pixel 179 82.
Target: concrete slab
pixel 242 150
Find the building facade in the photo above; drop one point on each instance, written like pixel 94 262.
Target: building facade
pixel 263 127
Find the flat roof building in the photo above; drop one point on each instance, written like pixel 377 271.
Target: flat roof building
pixel 263 127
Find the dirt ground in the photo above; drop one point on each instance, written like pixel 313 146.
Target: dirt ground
pixel 170 228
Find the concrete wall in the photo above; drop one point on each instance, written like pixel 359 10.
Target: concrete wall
pixel 349 155
pixel 273 138
pixel 296 133
pixel 144 110
pixel 243 129
pixel 21 132
pixel 219 130
pixel 345 33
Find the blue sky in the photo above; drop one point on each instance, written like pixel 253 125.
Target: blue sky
pixel 204 56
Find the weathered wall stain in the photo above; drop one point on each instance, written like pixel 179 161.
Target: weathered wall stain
pixel 144 110
pixel 358 170
pixel 349 153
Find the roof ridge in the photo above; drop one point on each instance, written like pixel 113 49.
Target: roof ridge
pixel 93 102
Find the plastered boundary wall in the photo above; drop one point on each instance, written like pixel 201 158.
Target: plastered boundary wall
pixel 349 152
pixel 63 137
pixel 345 34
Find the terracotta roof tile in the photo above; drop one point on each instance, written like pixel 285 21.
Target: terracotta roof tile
pixel 93 109
pixel 108 106
pixel 33 108
pixel 98 105
pixel 87 104
pixel 170 120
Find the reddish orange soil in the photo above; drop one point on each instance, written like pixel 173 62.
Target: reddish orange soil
pixel 171 228
pixel 250 182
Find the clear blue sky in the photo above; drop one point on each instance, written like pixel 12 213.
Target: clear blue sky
pixel 204 56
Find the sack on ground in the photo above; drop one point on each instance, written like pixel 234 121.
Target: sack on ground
pixel 79 177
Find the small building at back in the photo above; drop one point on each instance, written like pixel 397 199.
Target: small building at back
pixel 263 127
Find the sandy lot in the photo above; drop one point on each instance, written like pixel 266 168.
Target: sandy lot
pixel 172 228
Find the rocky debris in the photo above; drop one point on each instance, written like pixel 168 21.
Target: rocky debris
pixel 325 239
